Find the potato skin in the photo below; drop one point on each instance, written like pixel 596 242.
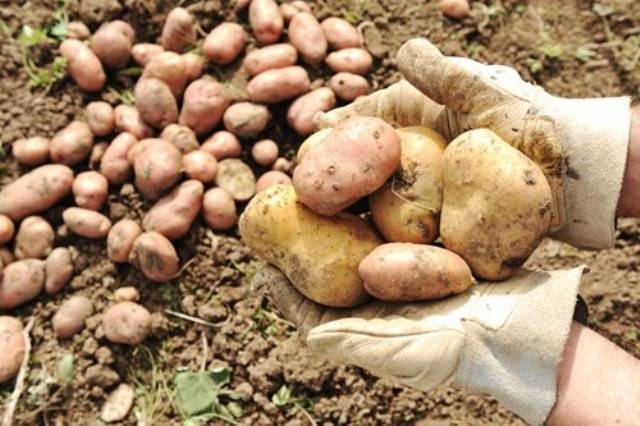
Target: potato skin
pixel 179 30
pixel 289 10
pixel 155 256
pixel 270 57
pixel 128 120
pixel 7 229
pixel 168 67
pixel 236 178
pixel 114 164
pixel 127 323
pixel 219 209
pixel 319 255
pixel 277 85
pixel 348 86
pixel 340 34
pixel 266 21
pixel 311 141
pixel 246 120
pixel 13 348
pixel 31 151
pixel 497 204
pixel 111 46
pixel 304 109
pixel 193 65
pixel 173 215
pixel 201 166
pixel 181 137
pixel 272 178
pixel 404 272
pixel 354 160
pixel 143 52
pixel 157 167
pixel 205 102
pixel 21 282
pixel 83 65
pixel 265 152
pixel 35 238
pixel 71 315
pixel 120 240
pixel 86 223
pixel 59 270
pixel 353 60
pixel 306 35
pixel 36 191
pixel 222 145
pixel 454 8
pixel 224 43
pixel 156 103
pixel 101 118
pixel 72 145
pixel 90 190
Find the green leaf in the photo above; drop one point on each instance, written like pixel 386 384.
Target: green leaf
pixel 551 50
pixel 59 30
pixel 221 376
pixel 282 397
pixel 197 392
pixel 30 36
pixel 190 422
pixel 584 54
pixel 65 369
pixel 235 409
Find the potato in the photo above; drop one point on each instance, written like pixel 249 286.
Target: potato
pixel 454 8
pixel 31 151
pixel 219 209
pixel 126 294
pixel 97 152
pixel 319 255
pixel 201 166
pixel 306 35
pixel 140 147
pixel 72 145
pixel 142 53
pixel 128 120
pixel 238 5
pixel 90 190
pixel 353 60
pixel 497 204
pixel 124 28
pixel 155 256
pixel 156 103
pixel 205 102
pixel 86 223
pixel 170 68
pixel 181 137
pixel 13 347
pixel 179 30
pixel 70 317
pixel 246 120
pixel 354 160
pixel 59 270
pixel 236 178
pixel 120 240
pixel 282 165
pixel 158 168
pixel 265 152
pixel 278 85
pixel 313 140
pixel 340 34
pixel 7 229
pixel 111 46
pixel 222 145
pixel 404 272
pixel 35 238
pixel 289 10
pixel 173 214
pixel 115 165
pixel 127 323
pixel 270 57
pixel 21 282
pixel 302 111
pixel 35 191
pixel 194 65
pixel 83 65
pixel 224 43
pixel 6 257
pixel 78 30
pixel 272 178
pixel 101 118
pixel 407 209
pixel 266 21
pixel 348 86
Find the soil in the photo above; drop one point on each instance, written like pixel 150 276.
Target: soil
pixel 571 47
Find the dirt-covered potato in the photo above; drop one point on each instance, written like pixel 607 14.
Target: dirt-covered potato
pixel 115 165
pixel 111 46
pixel 35 191
pixel 90 190
pixel 157 167
pixel 34 239
pixel 319 255
pixel 355 159
pixel 235 177
pixel 219 209
pixel 266 21
pixel 200 165
pixel 120 240
pixel 127 323
pixel 224 43
pixel 194 65
pixel 170 68
pixel 454 8
pixel 222 145
pixel 404 272
pixel 83 65
pixel 348 86
pixel 31 151
pixel 21 282
pixel 304 109
pixel 126 294
pixel 407 209
pixel 179 31
pixel 353 59
pixel 128 120
pixel 142 53
pixel 155 103
pixel 70 317
pixel 173 214
pixel 97 152
pixel 205 102
pixel 13 347
pixel 72 145
pixel 7 229
pixel 86 223
pixel 246 120
pixel 277 85
pixel 78 30
pixel 265 152
pixel 340 33
pixel 155 256
pixel 101 118
pixel 306 35
pixel 270 57
pixel 181 137
pixel 497 204
pixel 59 270
pixel 272 178
pixel 289 10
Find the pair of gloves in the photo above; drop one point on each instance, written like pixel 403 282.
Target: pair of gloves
pixel 504 339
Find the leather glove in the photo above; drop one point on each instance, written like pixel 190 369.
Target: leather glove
pixel 580 144
pixel 502 339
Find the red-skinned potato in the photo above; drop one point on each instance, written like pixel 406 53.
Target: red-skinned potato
pixel 115 165
pixel 139 147
pixel 193 65
pixel 289 10
pixel 86 223
pixel 59 270
pixel 200 165
pixel 128 120
pixel 6 257
pixel 83 65
pixel 348 86
pixel 97 152
pixel 156 103
pixel 179 30
pixel 90 190
pixel 142 53
pixel 126 294
pixel 101 118
pixel 31 151
pixel 246 120
pixel 7 229
pixel 120 240
pixel 238 5
pixel 224 43
pixel 21 282
pixel 72 145
pixel 157 167
pixel 78 30
pixel 111 46
pixel 13 347
pixel 235 177
pixel 277 85
pixel 124 28
pixel 265 152
pixel 282 165
pixel 306 35
pixel 170 68
pixel 304 109
pixel 266 21
pixel 70 317
pixel 219 209
pixel 222 145
pixel 340 33
pixel 270 57
pixel 454 8
pixel 181 137
pixel 272 178
pixel 173 214
pixel 34 239
pixel 127 323
pixel 155 256
pixel 354 60
pixel 205 102
pixel 22 198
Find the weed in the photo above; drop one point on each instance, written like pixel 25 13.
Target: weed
pixel 125 96
pixel 356 14
pixel 285 399
pixel 154 397
pixel 584 54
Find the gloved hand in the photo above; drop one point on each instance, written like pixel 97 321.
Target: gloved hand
pixel 503 339
pixel 580 144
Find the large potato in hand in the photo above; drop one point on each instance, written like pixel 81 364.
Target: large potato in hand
pixel 319 255
pixel 497 204
pixel 12 344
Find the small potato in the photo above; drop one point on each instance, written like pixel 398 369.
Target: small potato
pixel 126 294
pixel 142 53
pixel 6 257
pixel 111 46
pixel 246 120
pixel 278 85
pixel 83 65
pixel 78 30
pixel 205 102
pixel 32 151
pixel 282 165
pixel 219 209
pixel 270 57
pixel 454 8
pixel 193 65
pixel 86 223
pixel 97 152
pixel 404 272
pixel 224 43
pixel 36 191
pixel 21 282
pixel 35 238
pixel 71 315
pixel 173 215
pixel 128 120
pixel 90 190
pixel 340 34
pixel 179 30
pixel 155 103
pixel 265 152
pixel 353 60
pixel 120 240
pixel 348 86
pixel 289 10
pixel 7 229
pixel 127 323
pixel 72 145
pixel 59 270
pixel 12 343
pixel 181 137
pixel 170 68
pixel 272 178
pixel 115 165
pixel 303 110
pixel 266 21
pixel 155 256
pixel 236 178
pixel 200 165
pixel 157 168
pixel 222 145
pixel 101 118
pixel 354 160
pixel 306 35
pixel 239 5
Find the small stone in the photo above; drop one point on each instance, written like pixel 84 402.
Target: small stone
pixel 104 355
pixel 244 391
pixel 99 375
pixel 118 404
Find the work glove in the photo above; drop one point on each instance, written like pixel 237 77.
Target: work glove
pixel 505 339
pixel 580 144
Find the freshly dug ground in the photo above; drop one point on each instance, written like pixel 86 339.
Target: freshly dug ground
pixel 571 47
